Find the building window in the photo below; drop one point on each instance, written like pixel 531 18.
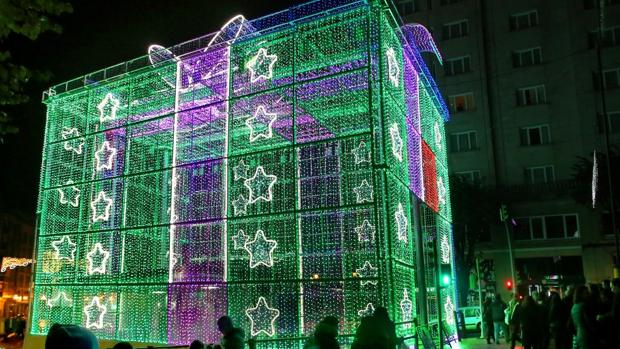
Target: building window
pixel 611 78
pixel 463 141
pixel 406 7
pixel 531 95
pixel 611 37
pixel 562 226
pixel 590 4
pixel 535 135
pixel 457 66
pixel 539 174
pixel 524 20
pixel 614 121
pixel 471 177
pixel 462 102
pixel 524 58
pixel 455 29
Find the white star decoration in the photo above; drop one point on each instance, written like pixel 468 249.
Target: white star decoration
pixel 262 318
pixel 261 124
pixel 261 250
pixel 363 192
pixel 73 197
pixel 361 153
pixel 438 137
pixel 239 240
pixel 261 65
pixel 97 253
pixel 406 307
pixel 445 250
pixel 74 145
pixel 240 205
pixel 397 142
pixel 59 300
pixel 449 310
pixel 65 248
pixel 365 232
pixel 393 69
pixel 108 102
pixel 241 171
pixel 367 271
pixel 94 313
pixel 101 197
pixel 368 311
pixel 260 185
pixel 401 223
pixel 104 157
pixel 441 190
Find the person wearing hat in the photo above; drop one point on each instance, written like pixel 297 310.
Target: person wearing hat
pixel 70 337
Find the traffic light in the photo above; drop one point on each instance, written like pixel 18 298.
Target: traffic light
pixel 508 284
pixel 445 276
pixel 503 213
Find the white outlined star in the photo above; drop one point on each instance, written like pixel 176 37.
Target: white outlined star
pixel 97 253
pixel 397 142
pixel 95 310
pixel 104 157
pixel 69 145
pixel 259 183
pixel 363 192
pixel 239 240
pixel 59 300
pixel 258 121
pixel 445 250
pixel 261 250
pixel 406 308
pixel 74 196
pixel 401 223
pixel 240 205
pixel 262 318
pixel 441 190
pixel 438 137
pixel 361 153
pixel 449 310
pixel 393 69
pixel 240 171
pixel 368 271
pixel 62 246
pixel 113 103
pixel 368 311
pixel 365 232
pixel 108 205
pixel 259 63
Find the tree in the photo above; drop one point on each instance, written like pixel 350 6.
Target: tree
pixel 27 18
pixel 474 210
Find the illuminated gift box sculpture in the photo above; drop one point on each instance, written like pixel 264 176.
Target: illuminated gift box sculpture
pixel 279 171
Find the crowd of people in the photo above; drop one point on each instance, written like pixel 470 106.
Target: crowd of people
pixel 580 317
pixel 374 332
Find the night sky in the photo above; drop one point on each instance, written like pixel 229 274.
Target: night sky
pixel 99 34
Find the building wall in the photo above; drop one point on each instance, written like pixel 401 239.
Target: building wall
pixel 570 111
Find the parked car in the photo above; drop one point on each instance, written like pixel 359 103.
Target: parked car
pixel 473 318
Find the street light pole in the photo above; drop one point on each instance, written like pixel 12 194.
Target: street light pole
pixel 612 206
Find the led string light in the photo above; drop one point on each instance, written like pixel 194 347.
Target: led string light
pixel 369 310
pixel 75 145
pixel 260 185
pixel 13 262
pixel 64 248
pixel 365 232
pixel 97 253
pixel 262 318
pixel 393 69
pixel 260 250
pixel 241 171
pixel 104 157
pixel 445 250
pixel 401 224
pixel 94 313
pixel 363 192
pixel 58 300
pixel 72 198
pixel 361 153
pixel 105 215
pixel 256 122
pixel 108 102
pixel 397 142
pixel 261 65
pixel 406 307
pixel 367 271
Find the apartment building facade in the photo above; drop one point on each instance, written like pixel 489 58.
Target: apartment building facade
pixel 521 78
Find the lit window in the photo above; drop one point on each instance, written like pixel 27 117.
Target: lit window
pixel 531 95
pixel 524 58
pixel 472 176
pixel 611 37
pixel 535 135
pixel 539 174
pixel 462 102
pixel 524 20
pixel 463 141
pixel 455 29
pixel 559 226
pixel 458 65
